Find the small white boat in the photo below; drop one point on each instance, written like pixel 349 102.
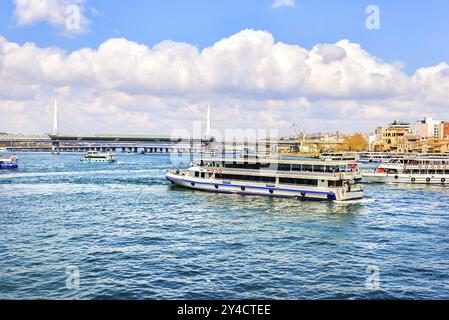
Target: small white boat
pixel 341 156
pixel 411 169
pixel 95 156
pixel 9 162
pixel 300 179
pixel 374 157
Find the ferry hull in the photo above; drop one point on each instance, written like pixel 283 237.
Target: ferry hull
pixel 97 161
pixel 9 166
pixel 259 190
pixel 405 178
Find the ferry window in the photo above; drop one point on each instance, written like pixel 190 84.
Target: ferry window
pixel 268 179
pixel 197 174
pixel 338 183
pixel 296 167
pixel 415 171
pixel 308 182
pixel 440 171
pixel 318 168
pixel 284 167
pixel 202 175
pixel 431 171
pixel 245 178
pixel 307 167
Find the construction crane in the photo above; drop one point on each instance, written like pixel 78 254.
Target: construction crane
pixel 299 134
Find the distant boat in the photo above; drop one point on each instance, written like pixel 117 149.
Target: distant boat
pixel 339 157
pixel 411 169
pixel 9 163
pixel 95 156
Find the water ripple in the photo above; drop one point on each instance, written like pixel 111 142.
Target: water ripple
pixel 133 236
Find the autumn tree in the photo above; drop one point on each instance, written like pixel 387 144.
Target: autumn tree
pixel 356 142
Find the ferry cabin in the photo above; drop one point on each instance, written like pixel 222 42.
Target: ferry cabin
pixel 95 156
pixel 302 179
pixel 411 170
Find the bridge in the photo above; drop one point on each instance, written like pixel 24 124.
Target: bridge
pixel 56 142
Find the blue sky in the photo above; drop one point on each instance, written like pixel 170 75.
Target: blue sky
pixel 413 32
pixel 152 67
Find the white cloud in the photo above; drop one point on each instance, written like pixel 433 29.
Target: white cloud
pixel 283 3
pixel 65 15
pixel 125 86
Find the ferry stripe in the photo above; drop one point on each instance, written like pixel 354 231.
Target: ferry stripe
pixel 253 187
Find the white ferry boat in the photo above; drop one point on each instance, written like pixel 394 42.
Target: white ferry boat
pixel 95 156
pixel 301 179
pixel 339 157
pixel 11 162
pixel 374 157
pixel 411 170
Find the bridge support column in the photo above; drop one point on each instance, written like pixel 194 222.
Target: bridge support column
pixel 191 150
pixel 55 147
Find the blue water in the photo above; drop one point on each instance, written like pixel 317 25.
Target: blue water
pixel 133 236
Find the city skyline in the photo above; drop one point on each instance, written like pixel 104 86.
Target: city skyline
pixel 256 71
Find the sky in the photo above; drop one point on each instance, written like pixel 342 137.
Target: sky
pixel 153 66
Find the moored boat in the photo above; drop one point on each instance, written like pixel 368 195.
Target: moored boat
pixel 374 157
pixel 340 156
pixel 9 162
pixel 95 156
pixel 411 169
pixel 301 179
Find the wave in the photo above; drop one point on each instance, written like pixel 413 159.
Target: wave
pixel 69 173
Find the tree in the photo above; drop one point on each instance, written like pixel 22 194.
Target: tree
pixel 356 142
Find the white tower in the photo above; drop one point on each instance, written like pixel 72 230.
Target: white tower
pixel 55 120
pixel 207 134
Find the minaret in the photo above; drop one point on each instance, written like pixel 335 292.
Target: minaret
pixel 208 123
pixel 55 120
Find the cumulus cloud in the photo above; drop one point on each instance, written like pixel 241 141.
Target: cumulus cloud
pixel 283 3
pixel 125 86
pixel 66 15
